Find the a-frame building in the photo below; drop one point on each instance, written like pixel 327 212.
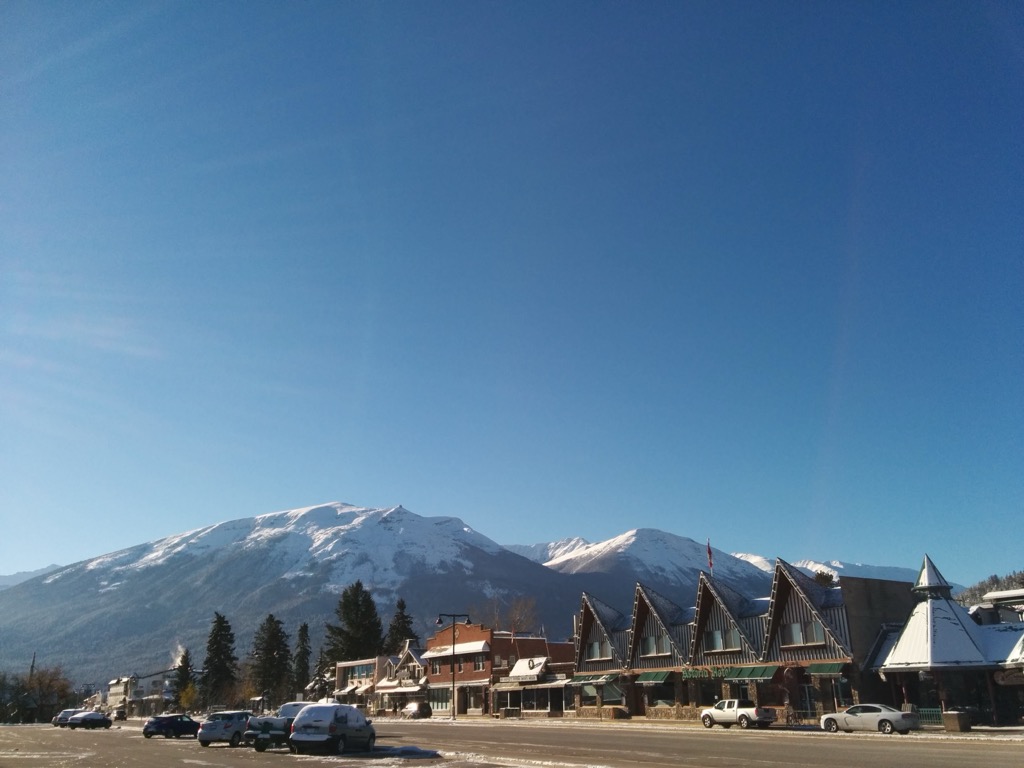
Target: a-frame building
pixel 602 645
pixel 659 646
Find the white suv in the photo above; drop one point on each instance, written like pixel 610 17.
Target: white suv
pixel 223 726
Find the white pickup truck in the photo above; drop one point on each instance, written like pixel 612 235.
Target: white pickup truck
pixel 742 712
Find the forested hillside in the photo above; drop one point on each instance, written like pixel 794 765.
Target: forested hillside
pixel 973 594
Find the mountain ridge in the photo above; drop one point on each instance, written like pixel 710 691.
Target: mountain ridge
pixel 129 611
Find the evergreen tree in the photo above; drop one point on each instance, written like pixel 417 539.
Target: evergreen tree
pixel 271 660
pixel 399 630
pixel 183 676
pixel 220 670
pixel 824 578
pixel 323 676
pixel 359 633
pixel 301 658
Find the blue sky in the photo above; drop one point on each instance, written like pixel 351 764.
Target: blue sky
pixel 746 272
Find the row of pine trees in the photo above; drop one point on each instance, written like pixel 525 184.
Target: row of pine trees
pixel 273 668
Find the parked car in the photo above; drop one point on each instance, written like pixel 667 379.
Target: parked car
pixel 331 728
pixel 742 712
pixel 871 717
pixel 223 726
pixel 89 720
pixel 61 718
pixel 263 731
pixel 119 714
pixel 414 710
pixel 170 726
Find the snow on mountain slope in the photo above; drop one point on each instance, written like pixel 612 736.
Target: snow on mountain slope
pixel 657 553
pixel 354 542
pixel 763 563
pixel 837 568
pixel 542 553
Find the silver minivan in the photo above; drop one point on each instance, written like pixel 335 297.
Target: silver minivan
pixel 331 728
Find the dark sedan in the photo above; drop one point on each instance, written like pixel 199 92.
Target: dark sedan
pixel 170 726
pixel 89 720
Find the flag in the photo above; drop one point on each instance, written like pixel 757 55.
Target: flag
pixel 711 566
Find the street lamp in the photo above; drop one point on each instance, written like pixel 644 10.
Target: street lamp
pixel 453 617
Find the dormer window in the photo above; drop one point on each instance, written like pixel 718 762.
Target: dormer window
pixel 803 633
pixel 722 639
pixel 599 649
pixel 654 645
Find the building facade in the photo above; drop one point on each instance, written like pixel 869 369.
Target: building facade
pixel 802 648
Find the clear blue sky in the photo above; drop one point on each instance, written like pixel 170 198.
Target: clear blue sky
pixel 746 272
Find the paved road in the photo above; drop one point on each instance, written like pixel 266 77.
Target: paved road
pixel 514 744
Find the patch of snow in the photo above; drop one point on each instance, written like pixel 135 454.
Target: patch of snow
pixel 761 563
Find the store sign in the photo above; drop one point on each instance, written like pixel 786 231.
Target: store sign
pixel 1009 677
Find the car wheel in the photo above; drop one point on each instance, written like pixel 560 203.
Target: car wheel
pixel 831 726
pixel 744 721
pixel 236 739
pixel 708 721
pixel 370 743
pixel 260 745
pixel 340 746
pixel 885 726
pixel 147 735
pixel 203 743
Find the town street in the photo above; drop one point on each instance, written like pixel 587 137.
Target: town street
pixel 517 744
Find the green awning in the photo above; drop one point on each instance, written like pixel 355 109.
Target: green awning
pixel 653 677
pixel 765 672
pixel 755 673
pixel 826 668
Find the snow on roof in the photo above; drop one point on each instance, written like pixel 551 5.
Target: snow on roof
pixel 530 667
pixel 939 633
pixel 477 646
pixel 1001 641
pixel 1004 596
pixel 930 579
pixel 1016 654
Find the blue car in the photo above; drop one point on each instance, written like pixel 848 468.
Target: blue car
pixel 170 726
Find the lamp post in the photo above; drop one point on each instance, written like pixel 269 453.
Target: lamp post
pixel 453 617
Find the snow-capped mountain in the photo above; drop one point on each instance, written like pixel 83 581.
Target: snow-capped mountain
pixel 541 553
pixel 837 568
pixel 131 611
pixel 128 611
